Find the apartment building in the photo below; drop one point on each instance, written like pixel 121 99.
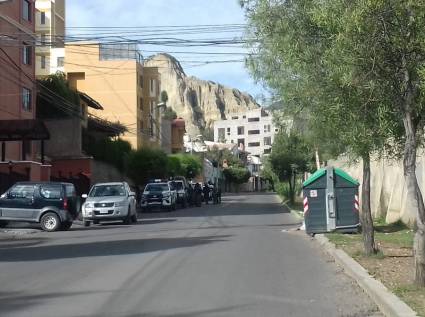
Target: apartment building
pixel 50 31
pixel 113 75
pixel 252 131
pixel 19 131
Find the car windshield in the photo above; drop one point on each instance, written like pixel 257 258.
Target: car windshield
pixel 179 185
pixel 156 187
pixel 107 190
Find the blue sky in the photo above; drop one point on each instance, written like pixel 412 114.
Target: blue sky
pixel 137 13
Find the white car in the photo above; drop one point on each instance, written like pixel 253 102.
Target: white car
pixel 109 201
pixel 160 195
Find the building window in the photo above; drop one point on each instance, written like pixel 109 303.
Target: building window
pixel 254 132
pixel 141 125
pixel 267 128
pixel 221 136
pixel 235 118
pixel 244 117
pixel 26 99
pixel 42 17
pixel 141 81
pixel 241 130
pixel 268 140
pixel 267 151
pixel 61 61
pixel 228 131
pixel 241 141
pixel 254 144
pixel 276 130
pixel 253 119
pixel 43 61
pixel 26 54
pixel 152 85
pixel 26 10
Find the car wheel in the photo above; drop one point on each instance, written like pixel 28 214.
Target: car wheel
pixel 127 219
pixel 50 222
pixel 134 218
pixel 86 223
pixel 3 223
pixel 184 205
pixel 66 225
pixel 95 222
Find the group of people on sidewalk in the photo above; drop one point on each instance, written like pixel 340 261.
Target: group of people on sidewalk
pixel 208 192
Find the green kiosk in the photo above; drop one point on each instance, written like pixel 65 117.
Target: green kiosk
pixel 331 202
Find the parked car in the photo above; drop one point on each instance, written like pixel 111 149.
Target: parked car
pixel 109 201
pixel 158 195
pixel 182 193
pixel 53 205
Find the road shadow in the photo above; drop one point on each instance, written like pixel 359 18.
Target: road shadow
pixel 20 242
pixel 239 208
pixel 21 301
pixel 104 248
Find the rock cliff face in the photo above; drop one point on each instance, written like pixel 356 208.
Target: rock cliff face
pixel 198 102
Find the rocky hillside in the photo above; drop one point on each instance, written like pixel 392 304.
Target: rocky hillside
pixel 199 102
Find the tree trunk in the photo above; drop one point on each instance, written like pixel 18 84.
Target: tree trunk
pixel 316 152
pixel 366 215
pixel 414 198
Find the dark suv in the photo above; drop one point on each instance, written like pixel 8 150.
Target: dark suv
pixel 53 205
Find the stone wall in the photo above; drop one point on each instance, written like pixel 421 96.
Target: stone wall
pixel 103 173
pixel 388 188
pixel 65 138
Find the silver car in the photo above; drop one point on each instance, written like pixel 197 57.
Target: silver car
pixel 109 201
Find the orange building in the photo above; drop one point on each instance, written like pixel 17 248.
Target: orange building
pixel 114 75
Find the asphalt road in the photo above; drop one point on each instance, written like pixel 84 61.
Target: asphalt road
pixel 227 260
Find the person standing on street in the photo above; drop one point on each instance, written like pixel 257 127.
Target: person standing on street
pixel 206 191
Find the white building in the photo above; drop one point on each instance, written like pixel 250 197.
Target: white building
pixel 252 131
pixel 50 29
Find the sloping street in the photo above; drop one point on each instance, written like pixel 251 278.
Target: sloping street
pixel 231 259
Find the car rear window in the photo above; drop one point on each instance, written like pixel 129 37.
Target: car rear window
pixel 179 185
pixel 51 191
pixel 70 190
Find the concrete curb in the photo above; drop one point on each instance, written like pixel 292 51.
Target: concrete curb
pixel 389 304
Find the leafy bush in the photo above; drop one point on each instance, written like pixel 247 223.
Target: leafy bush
pixel 237 175
pixel 146 164
pixel 191 165
pixel 114 152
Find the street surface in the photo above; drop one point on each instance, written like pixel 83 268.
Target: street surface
pixel 224 260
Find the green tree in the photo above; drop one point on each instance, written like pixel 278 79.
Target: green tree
pixel 169 114
pixel 191 165
pixel 237 175
pixel 174 166
pixel 299 57
pixel 49 105
pixel 290 157
pixel 216 155
pixel 164 96
pixel 267 173
pixel 146 164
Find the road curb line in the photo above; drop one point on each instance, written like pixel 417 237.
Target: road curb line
pixel 389 304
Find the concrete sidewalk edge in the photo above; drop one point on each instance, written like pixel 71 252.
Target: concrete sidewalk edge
pixel 389 304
